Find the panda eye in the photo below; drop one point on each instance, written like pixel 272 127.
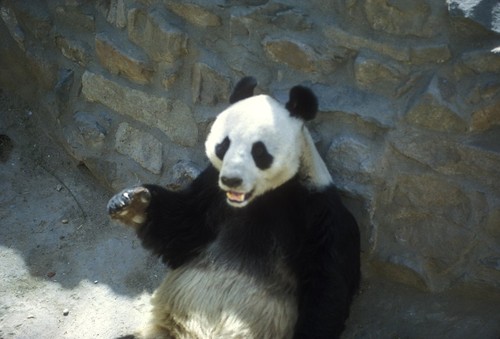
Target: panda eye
pixel 221 148
pixel 261 156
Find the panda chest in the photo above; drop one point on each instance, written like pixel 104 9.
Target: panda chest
pixel 221 296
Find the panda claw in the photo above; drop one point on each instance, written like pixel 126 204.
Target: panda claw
pixel 129 206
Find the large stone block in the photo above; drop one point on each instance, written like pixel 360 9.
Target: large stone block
pixel 433 111
pixel 347 39
pixel 67 15
pixel 430 54
pixel 140 146
pixel 75 50
pixel 209 87
pixel 354 163
pixel 194 14
pixel 370 107
pixel 297 55
pixel 86 136
pixel 43 67
pixel 482 60
pixel 16 32
pixel 486 116
pixel 181 175
pixel 476 159
pixel 428 148
pixel 426 225
pixel 34 17
pixel 174 118
pixel 117 13
pixel 152 32
pixel 122 58
pixel 403 17
pixel 379 75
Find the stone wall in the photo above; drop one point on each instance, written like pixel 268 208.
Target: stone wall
pixel 409 96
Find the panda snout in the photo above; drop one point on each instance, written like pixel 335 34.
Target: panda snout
pixel 231 182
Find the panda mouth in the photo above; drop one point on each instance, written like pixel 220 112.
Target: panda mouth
pixel 238 197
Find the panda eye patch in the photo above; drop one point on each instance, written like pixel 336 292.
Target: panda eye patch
pixel 221 148
pixel 261 156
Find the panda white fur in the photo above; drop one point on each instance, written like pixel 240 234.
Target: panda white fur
pixel 259 245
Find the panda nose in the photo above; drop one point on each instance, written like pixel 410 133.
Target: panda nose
pixel 231 182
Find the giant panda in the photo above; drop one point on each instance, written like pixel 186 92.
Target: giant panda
pixel 259 244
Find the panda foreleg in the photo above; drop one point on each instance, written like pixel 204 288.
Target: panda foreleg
pixel 129 206
pixel 171 224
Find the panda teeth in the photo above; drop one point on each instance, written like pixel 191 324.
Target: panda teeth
pixel 235 196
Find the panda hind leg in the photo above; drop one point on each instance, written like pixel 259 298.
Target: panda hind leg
pixel 129 206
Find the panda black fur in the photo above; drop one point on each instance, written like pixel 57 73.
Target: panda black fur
pixel 259 245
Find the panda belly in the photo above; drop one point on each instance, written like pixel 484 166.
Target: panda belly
pixel 205 300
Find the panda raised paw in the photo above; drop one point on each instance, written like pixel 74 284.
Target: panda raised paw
pixel 129 206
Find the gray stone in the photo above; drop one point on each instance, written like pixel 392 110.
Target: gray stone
pixel 86 138
pixel 174 118
pixel 152 32
pixel 117 14
pixel 123 58
pixel 429 149
pixel 367 106
pixel 16 32
pixel 140 146
pixel 182 174
pixel 433 112
pixel 75 50
pixel 486 116
pixel 43 67
pixel 74 18
pixel 379 75
pixel 354 163
pixel 492 223
pixel 484 12
pixel 297 55
pixel 403 17
pixel 482 61
pixel 64 84
pixel 292 19
pixel 209 87
pixel 347 39
pixel 90 129
pixel 194 14
pixel 34 17
pixel 432 53
pixel 419 208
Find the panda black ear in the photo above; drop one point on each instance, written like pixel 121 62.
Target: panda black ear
pixel 302 103
pixel 243 89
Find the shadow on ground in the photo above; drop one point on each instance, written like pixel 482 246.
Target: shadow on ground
pixel 66 271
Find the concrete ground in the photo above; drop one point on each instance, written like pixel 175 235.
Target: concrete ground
pixel 66 271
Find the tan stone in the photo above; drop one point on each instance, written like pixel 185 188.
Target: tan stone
pixel 297 55
pixel 432 113
pixel 145 149
pixel 349 40
pixel 209 87
pixel 75 50
pixel 152 32
pixel 194 14
pixel 379 75
pixel 174 118
pixel 127 62
pixel 486 117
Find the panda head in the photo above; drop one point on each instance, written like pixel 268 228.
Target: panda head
pixel 256 143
